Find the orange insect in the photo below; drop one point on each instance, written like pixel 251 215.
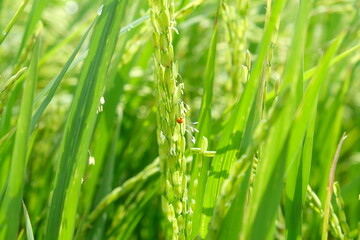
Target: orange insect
pixel 180 120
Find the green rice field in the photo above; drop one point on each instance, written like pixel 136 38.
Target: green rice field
pixel 180 119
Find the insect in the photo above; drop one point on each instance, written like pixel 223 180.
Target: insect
pixel 180 120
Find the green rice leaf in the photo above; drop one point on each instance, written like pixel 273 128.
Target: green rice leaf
pixel 51 88
pixel 11 205
pixel 231 138
pixel 266 195
pixel 80 125
pixel 7 29
pixel 204 131
pixel 34 17
pixel 29 230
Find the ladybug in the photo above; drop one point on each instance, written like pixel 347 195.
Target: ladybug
pixel 180 120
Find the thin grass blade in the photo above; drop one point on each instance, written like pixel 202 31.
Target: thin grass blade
pixel 231 138
pixel 200 174
pixel 34 17
pixel 28 227
pixel 7 29
pixel 81 122
pixel 53 85
pixel 11 205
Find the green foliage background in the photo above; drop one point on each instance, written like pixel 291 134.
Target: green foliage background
pixel 273 86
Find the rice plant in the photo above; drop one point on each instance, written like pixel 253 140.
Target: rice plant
pixel 180 119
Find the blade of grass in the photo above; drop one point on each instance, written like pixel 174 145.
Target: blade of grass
pixel 11 205
pixel 309 73
pixel 50 90
pixel 54 84
pixel 294 182
pixel 232 224
pixel 99 227
pixel 73 63
pixel 266 196
pixel 29 230
pixel 201 173
pixel 293 67
pixel 59 46
pixel 5 123
pixel 307 156
pixel 231 139
pixel 232 228
pixel 105 148
pixel 35 15
pixel 81 122
pixel 123 30
pixel 7 29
